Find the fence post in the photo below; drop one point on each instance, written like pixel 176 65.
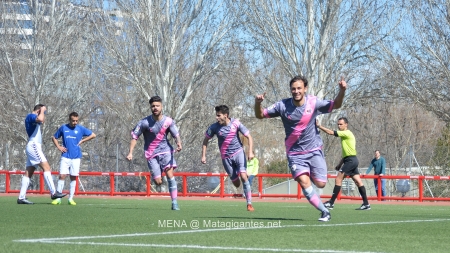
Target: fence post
pixel 420 188
pixel 147 181
pixel 7 181
pixel 41 183
pixel 222 186
pixel 379 188
pixel 76 185
pixel 260 186
pixel 111 183
pixel 184 185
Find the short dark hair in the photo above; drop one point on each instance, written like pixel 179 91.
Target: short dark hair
pixel 299 78
pixel 344 119
pixel 223 109
pixel 155 99
pixel 37 107
pixel 73 114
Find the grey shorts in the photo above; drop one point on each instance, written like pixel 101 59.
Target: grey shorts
pixel 160 163
pixel 235 165
pixel 312 164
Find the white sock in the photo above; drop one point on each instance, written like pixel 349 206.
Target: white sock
pixel 24 187
pixel 60 187
pixel 73 183
pixel 49 181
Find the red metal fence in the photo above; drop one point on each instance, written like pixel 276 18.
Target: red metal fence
pixel 416 180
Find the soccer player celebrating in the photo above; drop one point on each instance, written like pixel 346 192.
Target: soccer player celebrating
pixel 348 164
pixel 35 156
pixel 233 158
pixel 72 137
pixel 303 143
pixel 158 151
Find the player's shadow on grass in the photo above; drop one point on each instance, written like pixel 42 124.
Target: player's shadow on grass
pixel 246 218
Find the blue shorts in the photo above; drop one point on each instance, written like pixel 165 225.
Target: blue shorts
pixel 235 165
pixel 312 164
pixel 160 163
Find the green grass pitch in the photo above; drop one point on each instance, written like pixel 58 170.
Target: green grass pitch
pixel 148 225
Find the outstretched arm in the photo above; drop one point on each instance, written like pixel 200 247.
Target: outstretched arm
pixel 326 130
pixel 259 111
pixel 340 96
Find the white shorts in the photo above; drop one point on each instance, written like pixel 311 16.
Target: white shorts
pixel 35 156
pixel 69 166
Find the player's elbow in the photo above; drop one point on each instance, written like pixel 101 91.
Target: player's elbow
pixel 337 105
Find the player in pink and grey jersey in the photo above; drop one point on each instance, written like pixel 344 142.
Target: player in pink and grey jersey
pixel 158 151
pixel 303 142
pixel 233 158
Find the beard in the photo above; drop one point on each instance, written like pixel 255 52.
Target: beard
pixel 156 113
pixel 297 100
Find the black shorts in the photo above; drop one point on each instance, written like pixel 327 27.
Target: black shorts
pixel 350 166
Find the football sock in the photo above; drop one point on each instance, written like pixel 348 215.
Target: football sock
pixel 49 180
pixel 248 191
pixel 362 191
pixel 24 187
pixel 336 190
pixel 73 183
pixel 60 186
pixel 173 189
pixel 314 198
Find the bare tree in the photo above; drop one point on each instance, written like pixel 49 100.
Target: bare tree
pixel 43 59
pixel 418 66
pixel 165 48
pixel 318 39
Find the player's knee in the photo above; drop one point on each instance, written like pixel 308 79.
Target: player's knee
pixel 158 181
pixel 244 177
pixel 359 183
pixel 237 183
pixel 320 184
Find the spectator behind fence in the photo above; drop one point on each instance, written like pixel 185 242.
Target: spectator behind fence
pixel 379 165
pixel 252 169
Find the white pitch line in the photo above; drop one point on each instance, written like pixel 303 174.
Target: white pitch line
pixel 205 247
pixel 45 240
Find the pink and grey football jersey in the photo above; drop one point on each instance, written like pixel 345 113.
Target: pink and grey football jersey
pixel 229 142
pixel 302 135
pixel 155 135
